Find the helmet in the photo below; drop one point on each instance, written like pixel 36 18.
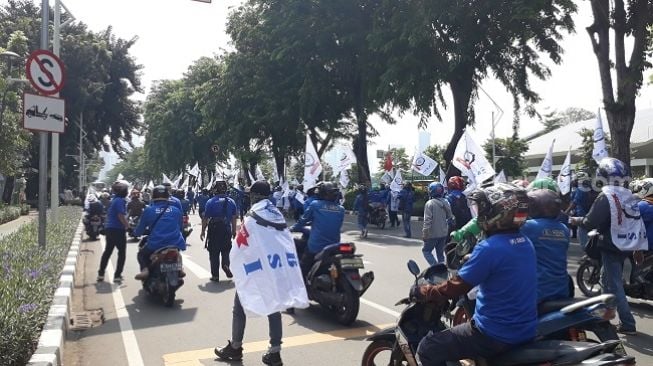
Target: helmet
pixel 179 193
pixel 120 188
pixel 327 191
pixel 544 203
pixel 645 188
pixel 456 183
pixel 521 183
pixel 220 187
pixel 499 207
pixel 160 193
pixel 436 190
pixel 544 183
pixel 612 170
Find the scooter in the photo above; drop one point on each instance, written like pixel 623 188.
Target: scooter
pixel 186 228
pixel 378 215
pixel 165 275
pixel 133 222
pixel 94 226
pixel 397 345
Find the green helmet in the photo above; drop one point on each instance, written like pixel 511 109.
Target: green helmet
pixel 544 183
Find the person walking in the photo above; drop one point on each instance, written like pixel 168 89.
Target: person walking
pixel 361 207
pixel 458 201
pixel 581 201
pixel 406 200
pixel 393 208
pixel 190 196
pixel 220 217
pixel 437 216
pixel 115 229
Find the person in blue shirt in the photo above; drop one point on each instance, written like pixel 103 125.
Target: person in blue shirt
pixel 325 215
pixel 503 266
pixel 581 201
pixel 173 200
pixel 310 197
pixel 202 199
pixel 163 221
pixel 115 229
pixel 220 217
pixel 185 204
pixel 361 204
pixel 550 238
pixel 190 196
pixel 406 200
pixel 645 192
pixel 458 201
pixel 237 195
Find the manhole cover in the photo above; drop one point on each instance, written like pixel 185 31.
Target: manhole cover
pixel 86 319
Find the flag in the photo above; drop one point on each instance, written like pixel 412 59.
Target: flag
pixel 547 163
pixel 166 179
pixel 251 179
pixel 600 149
pixel 312 165
pixel 344 178
pixel 500 178
pixel 471 161
pixel 564 178
pixel 387 165
pixel 299 196
pixel 294 182
pixel 211 181
pixel 397 182
pixel 184 183
pixel 150 185
pixel 120 177
pixel 386 178
pixel 347 158
pixel 259 173
pixel 195 170
pixel 423 164
pixel 177 180
pixel 443 177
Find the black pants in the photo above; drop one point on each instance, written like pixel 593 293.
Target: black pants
pixel 217 249
pixel 460 342
pixel 116 238
pixel 394 220
pixel 143 257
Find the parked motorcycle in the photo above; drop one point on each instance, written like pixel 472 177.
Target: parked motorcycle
pixel 397 345
pixel 133 222
pixel 186 228
pixel 94 226
pixel 334 280
pixel 378 216
pixel 165 275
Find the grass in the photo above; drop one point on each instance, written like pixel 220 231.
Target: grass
pixel 29 276
pixel 9 213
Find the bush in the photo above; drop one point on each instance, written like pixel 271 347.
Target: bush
pixel 9 213
pixel 24 209
pixel 28 278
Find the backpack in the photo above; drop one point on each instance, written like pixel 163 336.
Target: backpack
pixel 219 229
pixel 460 211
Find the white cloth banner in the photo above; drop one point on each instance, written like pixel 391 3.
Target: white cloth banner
pixel 259 173
pixel 600 150
pixel 150 185
pixel 299 196
pixel 500 178
pixel 626 225
pixel 195 170
pixel 251 178
pixel 265 265
pixel 423 164
pixel 347 158
pixel 471 161
pixel 166 179
pixel 312 165
pixel 344 178
pixel 397 182
pixel 547 163
pixel 443 177
pixel 175 183
pixel 564 178
pixel 120 177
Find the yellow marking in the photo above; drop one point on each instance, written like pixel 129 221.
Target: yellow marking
pixel 192 358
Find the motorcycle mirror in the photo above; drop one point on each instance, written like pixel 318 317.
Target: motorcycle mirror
pixel 413 267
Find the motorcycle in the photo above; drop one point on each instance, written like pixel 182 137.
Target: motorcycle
pixel 334 280
pixel 94 226
pixel 165 275
pixel 186 228
pixel 133 222
pixel 378 216
pixel 418 319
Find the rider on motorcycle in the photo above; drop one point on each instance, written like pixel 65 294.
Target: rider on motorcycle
pixel 503 266
pixel 645 192
pixel 173 200
pixel 135 206
pixel 185 204
pixel 325 215
pixel 163 221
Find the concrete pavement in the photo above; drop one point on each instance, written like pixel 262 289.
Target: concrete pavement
pixel 12 226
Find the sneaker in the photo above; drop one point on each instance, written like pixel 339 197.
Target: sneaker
pixel 272 358
pixel 143 274
pixel 227 271
pixel 229 353
pixel 365 233
pixel 626 331
pixel 117 279
pixel 215 279
pixel 100 278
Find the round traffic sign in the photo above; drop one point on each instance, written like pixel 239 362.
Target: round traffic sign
pixel 45 71
pixel 215 148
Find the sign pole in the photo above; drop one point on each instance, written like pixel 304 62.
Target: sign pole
pixel 43 136
pixel 54 161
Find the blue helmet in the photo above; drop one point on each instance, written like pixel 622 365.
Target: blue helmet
pixel 611 169
pixel 436 190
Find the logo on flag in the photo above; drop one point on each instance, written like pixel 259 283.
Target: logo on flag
pixel 423 164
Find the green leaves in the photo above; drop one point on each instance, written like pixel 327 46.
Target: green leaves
pixel 509 154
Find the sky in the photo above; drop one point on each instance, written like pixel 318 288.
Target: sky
pixel 174 33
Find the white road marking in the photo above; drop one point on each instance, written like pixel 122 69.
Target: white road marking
pixel 410 240
pixel 371 245
pixel 382 308
pixel 197 270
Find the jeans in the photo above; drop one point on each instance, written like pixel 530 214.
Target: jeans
pixel 394 220
pixel 437 244
pixel 362 221
pixel 582 237
pixel 405 217
pixel 116 238
pixel 238 327
pixel 612 282
pixel 457 343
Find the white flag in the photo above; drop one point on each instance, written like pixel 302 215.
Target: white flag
pixel 294 182
pixel 195 170
pixel 443 177
pixel 251 178
pixel 166 179
pixel 312 165
pixel 347 158
pixel 211 181
pixel 397 182
pixel 120 177
pixel 150 185
pixel 177 180
pixel 259 173
pixel 184 183
pixel 386 178
pixel 423 164
pixel 547 163
pixel 344 178
pixel 600 149
pixel 500 178
pixel 299 196
pixel 471 161
pixel 564 178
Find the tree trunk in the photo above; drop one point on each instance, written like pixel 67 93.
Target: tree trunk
pixel 621 123
pixel 280 162
pixel 461 89
pixel 360 142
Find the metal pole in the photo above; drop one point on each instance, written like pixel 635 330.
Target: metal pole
pixel 54 162
pixel 494 151
pixel 81 151
pixel 43 148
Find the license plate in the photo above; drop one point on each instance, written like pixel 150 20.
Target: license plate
pixel 349 263
pixel 170 267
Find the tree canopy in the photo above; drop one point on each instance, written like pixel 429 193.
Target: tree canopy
pixel 509 155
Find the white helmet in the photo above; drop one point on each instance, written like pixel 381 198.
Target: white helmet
pixel 645 188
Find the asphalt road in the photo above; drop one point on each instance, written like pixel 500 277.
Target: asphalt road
pixel 139 330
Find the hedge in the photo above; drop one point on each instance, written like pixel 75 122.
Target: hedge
pixel 9 213
pixel 29 276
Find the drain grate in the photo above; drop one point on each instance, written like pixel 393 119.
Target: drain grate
pixel 86 319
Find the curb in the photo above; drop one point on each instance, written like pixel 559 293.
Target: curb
pixel 412 218
pixel 49 351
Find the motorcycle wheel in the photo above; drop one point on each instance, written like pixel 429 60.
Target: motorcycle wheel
pixel 588 278
pixel 347 312
pixel 379 352
pixel 169 296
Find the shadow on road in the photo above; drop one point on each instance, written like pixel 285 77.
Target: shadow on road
pixel 642 343
pixel 320 320
pixel 216 287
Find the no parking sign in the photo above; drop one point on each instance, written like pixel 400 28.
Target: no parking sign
pixel 45 71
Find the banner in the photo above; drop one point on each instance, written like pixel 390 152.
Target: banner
pixel 166 179
pixel 120 177
pixel 344 178
pixel 265 265
pixel 347 158
pixel 397 182
pixel 423 164
pixel 564 178
pixel 386 178
pixel 259 173
pixel 547 163
pixel 312 165
pixel 470 159
pixel 195 170
pixel 600 149
pixel 500 178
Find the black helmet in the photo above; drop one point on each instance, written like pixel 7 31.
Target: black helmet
pixel 179 193
pixel 327 191
pixel 261 188
pixel 543 203
pixel 220 187
pixel 168 186
pixel 160 193
pixel 500 207
pixel 119 188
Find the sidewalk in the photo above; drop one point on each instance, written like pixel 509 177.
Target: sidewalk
pixel 11 226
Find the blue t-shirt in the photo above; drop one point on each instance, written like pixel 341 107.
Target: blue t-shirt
pixel 190 195
pixel 117 206
pixel 176 202
pixel 646 210
pixel 550 238
pixel 503 266
pixel 579 198
pixel 185 206
pixel 215 208
pixel 325 218
pixel 167 231
pixel 202 199
pixel 359 206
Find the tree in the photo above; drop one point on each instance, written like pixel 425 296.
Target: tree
pixel 510 155
pixel 628 19
pixel 134 167
pixel 556 119
pixel 587 161
pixel 435 152
pixel 400 159
pixel 429 43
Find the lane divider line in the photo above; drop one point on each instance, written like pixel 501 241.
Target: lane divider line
pixel 195 268
pixel 393 313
